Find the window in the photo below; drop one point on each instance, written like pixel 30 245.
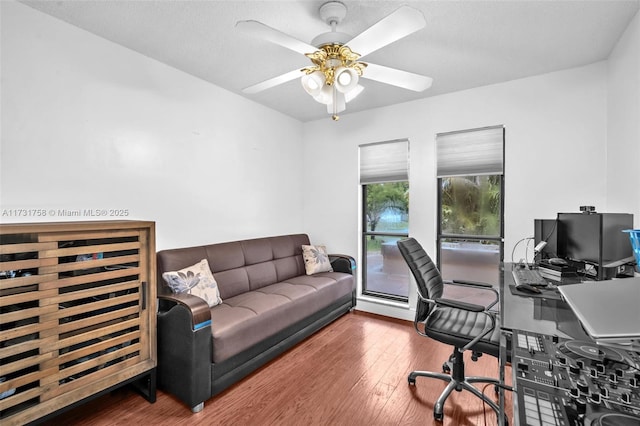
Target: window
pixel 385 218
pixel 471 204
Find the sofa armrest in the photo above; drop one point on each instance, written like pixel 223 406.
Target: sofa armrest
pixel 200 311
pixel 346 264
pixel 185 348
pixel 343 263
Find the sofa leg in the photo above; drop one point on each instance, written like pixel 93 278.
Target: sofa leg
pixel 197 408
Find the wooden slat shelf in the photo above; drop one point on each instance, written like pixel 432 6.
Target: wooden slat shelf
pixel 101 248
pixel 25 248
pixel 74 266
pixel 88 278
pixel 13 285
pixel 77 313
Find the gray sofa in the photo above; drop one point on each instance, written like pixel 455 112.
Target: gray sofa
pixel 269 304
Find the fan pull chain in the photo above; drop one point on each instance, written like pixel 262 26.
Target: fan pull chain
pixel 335 115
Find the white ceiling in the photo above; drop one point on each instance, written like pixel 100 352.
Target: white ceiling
pixel 465 44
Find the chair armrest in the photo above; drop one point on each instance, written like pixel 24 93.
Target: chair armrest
pixel 472 283
pixel 485 331
pixel 200 311
pixel 467 307
pixel 460 305
pixel 480 286
pixel 343 263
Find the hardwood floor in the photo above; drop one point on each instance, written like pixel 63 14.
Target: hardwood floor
pixel 352 372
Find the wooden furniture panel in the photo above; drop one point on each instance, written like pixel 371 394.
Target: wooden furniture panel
pixel 77 314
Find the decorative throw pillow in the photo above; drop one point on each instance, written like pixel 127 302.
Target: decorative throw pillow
pixel 316 259
pixel 196 280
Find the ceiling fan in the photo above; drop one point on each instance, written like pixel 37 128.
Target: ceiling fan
pixel 333 76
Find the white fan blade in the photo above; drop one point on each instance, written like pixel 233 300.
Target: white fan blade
pixel 272 82
pixel 404 21
pixel 261 31
pixel 396 77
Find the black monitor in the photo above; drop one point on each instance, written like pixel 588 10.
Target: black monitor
pixel 595 238
pixel 546 230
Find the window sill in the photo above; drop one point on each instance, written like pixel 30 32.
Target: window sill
pixel 390 308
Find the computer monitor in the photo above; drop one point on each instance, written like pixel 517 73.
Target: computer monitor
pixel 595 238
pixel 546 230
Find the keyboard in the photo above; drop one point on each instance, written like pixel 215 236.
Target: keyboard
pixel 529 276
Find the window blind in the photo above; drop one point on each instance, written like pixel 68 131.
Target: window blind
pixel 471 152
pixel 384 162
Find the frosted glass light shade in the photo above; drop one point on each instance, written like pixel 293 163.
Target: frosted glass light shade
pixel 350 95
pixel 345 79
pixel 313 83
pixel 325 96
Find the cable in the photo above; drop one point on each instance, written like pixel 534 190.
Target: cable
pixel 484 404
pixel 516 245
pixel 546 241
pixel 526 252
pixel 555 224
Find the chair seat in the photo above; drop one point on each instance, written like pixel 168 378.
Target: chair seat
pixel 458 327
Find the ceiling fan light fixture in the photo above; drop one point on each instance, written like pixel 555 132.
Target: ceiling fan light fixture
pixel 351 95
pixel 338 104
pixel 345 79
pixel 333 77
pixel 313 83
pixel 325 96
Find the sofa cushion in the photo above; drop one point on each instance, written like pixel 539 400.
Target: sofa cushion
pixel 261 274
pixel 196 280
pixel 225 256
pixel 232 282
pixel 246 319
pixel 247 265
pixel 316 259
pixel 257 250
pixel 230 262
pixel 288 267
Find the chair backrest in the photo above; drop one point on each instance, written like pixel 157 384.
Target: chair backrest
pixel 426 273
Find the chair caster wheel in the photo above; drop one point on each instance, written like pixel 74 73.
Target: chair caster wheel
pixel 446 368
pixel 438 416
pixel 412 382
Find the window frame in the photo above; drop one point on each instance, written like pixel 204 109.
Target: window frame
pixel 440 236
pixel 484 167
pixel 366 234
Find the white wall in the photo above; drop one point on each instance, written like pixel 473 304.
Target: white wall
pixel 623 115
pixel 555 154
pixel 88 124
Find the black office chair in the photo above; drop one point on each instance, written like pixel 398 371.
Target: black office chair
pixel 465 326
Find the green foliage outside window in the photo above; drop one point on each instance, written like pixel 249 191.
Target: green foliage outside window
pixel 384 197
pixel 471 205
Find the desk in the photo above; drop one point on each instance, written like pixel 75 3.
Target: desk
pixel 568 380
pixel 543 315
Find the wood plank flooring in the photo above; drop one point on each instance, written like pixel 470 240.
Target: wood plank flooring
pixel 353 372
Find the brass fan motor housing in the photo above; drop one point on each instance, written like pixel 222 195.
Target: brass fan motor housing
pixel 332 56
